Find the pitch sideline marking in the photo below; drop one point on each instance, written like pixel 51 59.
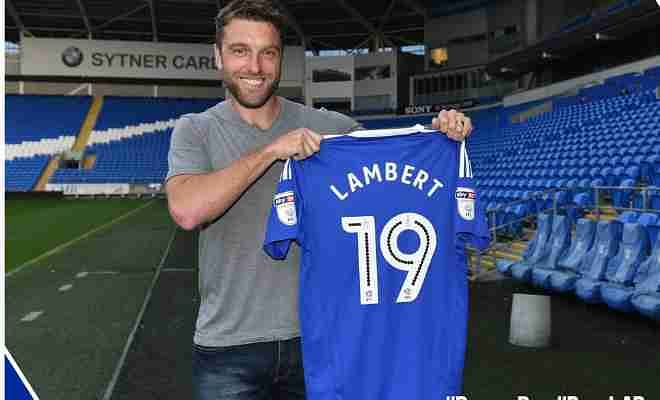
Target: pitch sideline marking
pixel 66 287
pixel 32 316
pixel 76 240
pixel 131 336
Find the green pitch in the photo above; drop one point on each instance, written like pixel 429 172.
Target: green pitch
pixel 36 226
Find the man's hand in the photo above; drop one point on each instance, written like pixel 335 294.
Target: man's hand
pixel 299 144
pixel 453 123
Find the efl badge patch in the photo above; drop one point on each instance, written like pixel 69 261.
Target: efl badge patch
pixel 465 202
pixel 285 204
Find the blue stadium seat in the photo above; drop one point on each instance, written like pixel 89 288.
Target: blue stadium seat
pixel 646 298
pixel 522 270
pixel 622 197
pixel 582 258
pixel 619 269
pixel 619 296
pixel 627 217
pixel 568 267
pixel 536 245
pixel 559 245
pixel 652 224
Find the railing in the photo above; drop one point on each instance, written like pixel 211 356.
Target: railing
pixel 599 194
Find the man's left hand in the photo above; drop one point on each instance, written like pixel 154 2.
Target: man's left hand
pixel 453 123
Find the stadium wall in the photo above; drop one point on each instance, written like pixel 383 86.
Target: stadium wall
pixel 504 14
pixel 440 32
pixel 329 77
pixel 553 16
pixel 564 86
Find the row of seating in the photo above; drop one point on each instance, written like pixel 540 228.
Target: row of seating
pixel 134 158
pixel 606 262
pixel 555 150
pixel 22 173
pixel 58 116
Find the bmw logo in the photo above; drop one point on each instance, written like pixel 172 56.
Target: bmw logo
pixel 72 56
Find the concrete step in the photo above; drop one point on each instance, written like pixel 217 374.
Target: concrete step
pixel 486 262
pixel 519 247
pixel 507 255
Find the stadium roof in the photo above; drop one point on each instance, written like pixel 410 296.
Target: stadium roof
pixel 320 24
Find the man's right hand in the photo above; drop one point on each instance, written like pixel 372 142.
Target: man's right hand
pixel 297 144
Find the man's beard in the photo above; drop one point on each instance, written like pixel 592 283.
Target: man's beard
pixel 235 90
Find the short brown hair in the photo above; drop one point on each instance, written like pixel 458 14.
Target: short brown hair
pixel 251 10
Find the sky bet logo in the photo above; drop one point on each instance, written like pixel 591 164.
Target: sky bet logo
pixel 72 57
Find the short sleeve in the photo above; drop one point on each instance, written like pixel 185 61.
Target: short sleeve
pixel 469 217
pixel 187 154
pixel 285 216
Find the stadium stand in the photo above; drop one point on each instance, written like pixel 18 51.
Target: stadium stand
pixel 123 112
pixel 21 173
pixel 59 116
pixel 131 140
pixel 29 141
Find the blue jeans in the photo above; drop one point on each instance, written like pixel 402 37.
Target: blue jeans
pixel 258 371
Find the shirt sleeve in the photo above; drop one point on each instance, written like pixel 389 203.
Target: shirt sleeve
pixel 470 216
pixel 286 213
pixel 187 153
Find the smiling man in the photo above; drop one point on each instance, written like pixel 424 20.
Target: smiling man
pixel 224 164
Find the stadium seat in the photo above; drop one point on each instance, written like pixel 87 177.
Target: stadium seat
pixel 646 298
pixel 559 245
pixel 619 269
pixel 534 248
pixel 652 224
pixel 523 270
pixel 622 197
pixel 593 248
pixel 627 217
pixel 619 296
pixel 568 266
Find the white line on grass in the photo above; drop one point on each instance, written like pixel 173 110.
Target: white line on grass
pixel 76 240
pixel 86 273
pixel 21 375
pixel 122 359
pixel 65 287
pixel 179 270
pixel 32 316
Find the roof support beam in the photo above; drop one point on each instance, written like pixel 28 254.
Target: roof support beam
pixel 83 13
pixel 386 16
pixel 368 25
pixel 418 8
pixel 294 23
pixel 154 25
pixel 118 17
pixel 17 18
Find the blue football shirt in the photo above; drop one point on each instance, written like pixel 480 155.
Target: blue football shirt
pixel 382 218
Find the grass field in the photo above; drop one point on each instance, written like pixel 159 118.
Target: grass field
pixel 35 226
pixel 144 263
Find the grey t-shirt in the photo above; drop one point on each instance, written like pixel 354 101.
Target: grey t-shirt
pixel 246 297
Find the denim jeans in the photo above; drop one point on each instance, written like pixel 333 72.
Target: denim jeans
pixel 258 371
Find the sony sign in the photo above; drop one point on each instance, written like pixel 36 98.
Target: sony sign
pixel 125 59
pixel 418 109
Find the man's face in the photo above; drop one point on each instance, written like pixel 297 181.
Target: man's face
pixel 250 59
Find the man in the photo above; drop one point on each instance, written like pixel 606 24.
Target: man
pixel 224 166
